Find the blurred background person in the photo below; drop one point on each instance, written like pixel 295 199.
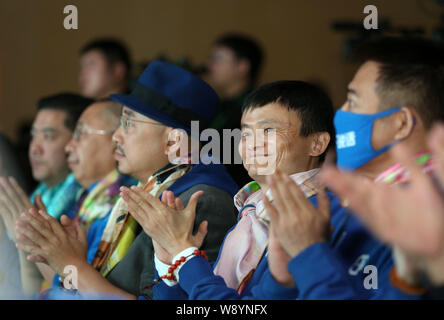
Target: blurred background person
pixel 51 130
pixel 105 68
pixel 91 159
pixel 232 70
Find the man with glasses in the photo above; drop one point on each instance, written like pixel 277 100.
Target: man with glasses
pixel 155 124
pixel 90 157
pixel 51 130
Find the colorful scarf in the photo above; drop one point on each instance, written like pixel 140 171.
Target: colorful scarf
pixel 121 228
pixel 60 198
pixel 245 245
pixel 101 199
pixel 397 174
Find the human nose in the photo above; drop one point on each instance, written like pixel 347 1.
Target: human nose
pixel 70 146
pixel 117 135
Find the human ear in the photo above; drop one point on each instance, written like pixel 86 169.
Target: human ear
pixel 403 122
pixel 319 143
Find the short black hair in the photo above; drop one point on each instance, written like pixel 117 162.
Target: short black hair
pixel 113 50
pixel 411 74
pixel 313 106
pixel 244 47
pixel 70 103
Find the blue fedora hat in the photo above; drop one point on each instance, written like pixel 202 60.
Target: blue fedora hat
pixel 172 96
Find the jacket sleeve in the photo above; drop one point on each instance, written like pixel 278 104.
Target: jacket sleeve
pixel 197 279
pixel 161 291
pixel 320 274
pixel 322 271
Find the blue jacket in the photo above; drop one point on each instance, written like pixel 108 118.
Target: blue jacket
pixel 329 270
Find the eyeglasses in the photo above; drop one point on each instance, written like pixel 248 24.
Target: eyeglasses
pixel 85 129
pixel 126 122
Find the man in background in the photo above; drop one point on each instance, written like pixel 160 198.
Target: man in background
pixel 51 130
pixel 105 68
pixel 233 70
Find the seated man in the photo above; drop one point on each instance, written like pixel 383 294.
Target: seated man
pixel 155 118
pixel 394 98
pixel 91 159
pixel 51 130
pixel 410 218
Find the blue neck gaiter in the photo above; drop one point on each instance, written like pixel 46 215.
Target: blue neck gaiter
pixel 353 138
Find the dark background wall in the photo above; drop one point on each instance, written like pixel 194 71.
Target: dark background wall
pixel 39 57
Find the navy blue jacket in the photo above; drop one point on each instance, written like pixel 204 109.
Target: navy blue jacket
pixel 329 270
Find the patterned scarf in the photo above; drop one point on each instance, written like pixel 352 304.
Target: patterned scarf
pixel 397 174
pixel 101 199
pixel 121 228
pixel 245 245
pixel 60 198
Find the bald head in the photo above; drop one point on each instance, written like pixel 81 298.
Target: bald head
pixel 91 151
pixel 103 114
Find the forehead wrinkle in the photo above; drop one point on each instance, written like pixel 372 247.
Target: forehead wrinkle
pixel 261 122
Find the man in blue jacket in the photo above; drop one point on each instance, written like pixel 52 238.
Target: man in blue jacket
pixel 394 98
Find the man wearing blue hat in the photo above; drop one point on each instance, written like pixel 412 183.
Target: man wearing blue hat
pixel 164 102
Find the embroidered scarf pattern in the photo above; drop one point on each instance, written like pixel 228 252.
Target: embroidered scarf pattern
pixel 101 199
pixel 60 198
